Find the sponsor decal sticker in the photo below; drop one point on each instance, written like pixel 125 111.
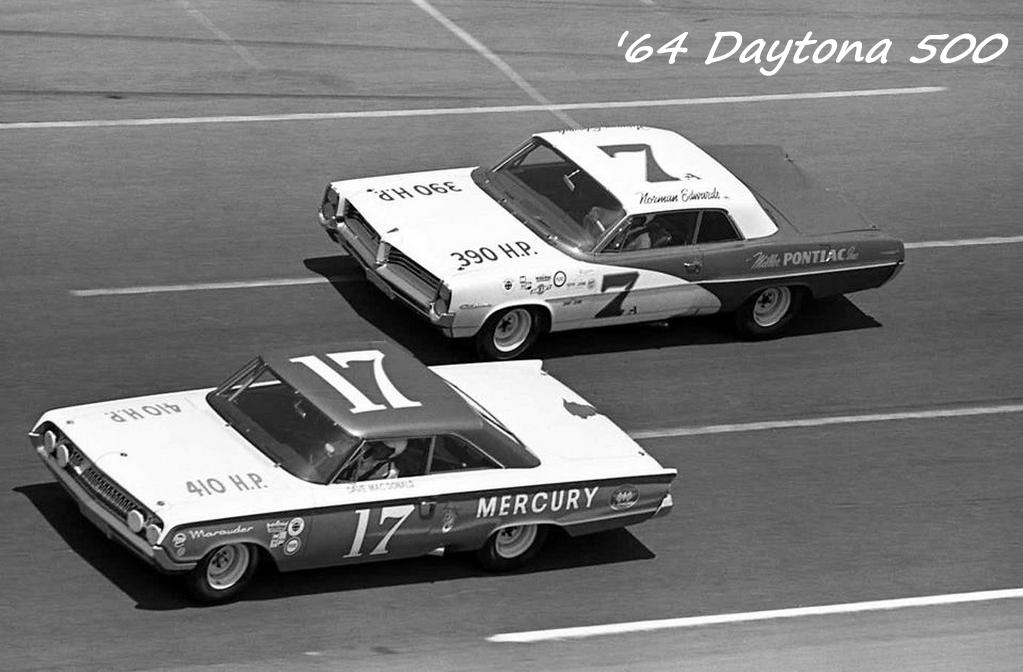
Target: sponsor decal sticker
pixel 820 255
pixel 448 521
pixel 508 284
pixel 216 486
pixel 482 255
pixel 278 531
pixel 553 501
pixel 560 279
pixel 295 526
pixel 403 193
pixel 292 545
pixel 203 533
pixel 624 497
pixel 179 539
pixel 143 412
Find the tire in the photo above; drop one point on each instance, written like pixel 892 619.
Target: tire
pixel 223 573
pixel 509 333
pixel 511 547
pixel 768 311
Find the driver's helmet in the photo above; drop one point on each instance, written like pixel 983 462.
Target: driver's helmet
pixel 397 446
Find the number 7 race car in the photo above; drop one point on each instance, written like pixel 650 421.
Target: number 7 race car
pixel 604 226
pixel 311 458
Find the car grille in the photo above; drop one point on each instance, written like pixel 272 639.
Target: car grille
pixel 105 491
pixel 360 228
pixel 396 257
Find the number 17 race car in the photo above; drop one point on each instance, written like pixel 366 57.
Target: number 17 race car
pixel 313 458
pixel 605 226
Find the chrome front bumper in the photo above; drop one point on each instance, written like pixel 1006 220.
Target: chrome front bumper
pixel 390 287
pixel 109 524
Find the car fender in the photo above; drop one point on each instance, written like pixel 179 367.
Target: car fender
pixel 522 302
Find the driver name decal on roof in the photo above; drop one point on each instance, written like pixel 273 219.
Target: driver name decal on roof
pixel 554 501
pixel 403 193
pixel 681 196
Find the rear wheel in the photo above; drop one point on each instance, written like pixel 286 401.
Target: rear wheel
pixel 223 573
pixel 511 547
pixel 508 333
pixel 767 312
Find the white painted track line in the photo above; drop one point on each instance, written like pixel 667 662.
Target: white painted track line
pixel 669 432
pixel 439 111
pixel 206 286
pixel 286 282
pixel 496 60
pixel 746 617
pixel 207 23
pixel 964 242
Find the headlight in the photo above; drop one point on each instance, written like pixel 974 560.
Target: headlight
pixel 63 455
pixel 50 439
pixel 153 533
pixel 443 300
pixel 135 520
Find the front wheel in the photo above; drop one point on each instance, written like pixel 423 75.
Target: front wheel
pixel 511 547
pixel 223 573
pixel 767 312
pixel 508 333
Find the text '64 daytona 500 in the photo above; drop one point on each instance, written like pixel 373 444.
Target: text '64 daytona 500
pixel 605 226
pixel 313 458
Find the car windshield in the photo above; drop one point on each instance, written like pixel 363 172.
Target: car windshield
pixel 283 424
pixel 553 196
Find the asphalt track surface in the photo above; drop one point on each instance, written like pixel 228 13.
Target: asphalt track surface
pixel 767 519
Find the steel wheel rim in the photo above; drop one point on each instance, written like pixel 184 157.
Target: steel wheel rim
pixel 227 566
pixel 771 305
pixel 513 541
pixel 512 329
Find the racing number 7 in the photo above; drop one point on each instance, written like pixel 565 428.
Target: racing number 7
pixel 654 172
pixel 359 401
pixel 612 281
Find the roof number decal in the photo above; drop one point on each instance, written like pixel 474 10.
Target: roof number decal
pixel 359 401
pixel 654 172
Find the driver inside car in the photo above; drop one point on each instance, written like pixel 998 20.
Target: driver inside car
pixel 378 460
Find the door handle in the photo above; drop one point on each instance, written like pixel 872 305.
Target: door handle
pixel 691 266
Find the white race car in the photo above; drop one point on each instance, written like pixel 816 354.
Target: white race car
pixel 310 458
pixel 604 226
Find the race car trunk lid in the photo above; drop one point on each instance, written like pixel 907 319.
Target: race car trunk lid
pixel 550 419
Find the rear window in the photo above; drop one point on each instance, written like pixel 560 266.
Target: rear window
pixel 715 227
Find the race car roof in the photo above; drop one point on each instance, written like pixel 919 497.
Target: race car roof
pixel 655 170
pixel 374 390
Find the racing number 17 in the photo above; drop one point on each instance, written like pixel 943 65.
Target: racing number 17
pixel 359 401
pixel 400 513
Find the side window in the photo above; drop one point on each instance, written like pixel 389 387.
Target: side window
pixel 715 227
pixel 645 232
pixel 451 453
pixel 387 458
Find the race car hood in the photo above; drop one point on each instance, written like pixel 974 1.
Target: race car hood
pixel 173 450
pixel 432 217
pixel 557 425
